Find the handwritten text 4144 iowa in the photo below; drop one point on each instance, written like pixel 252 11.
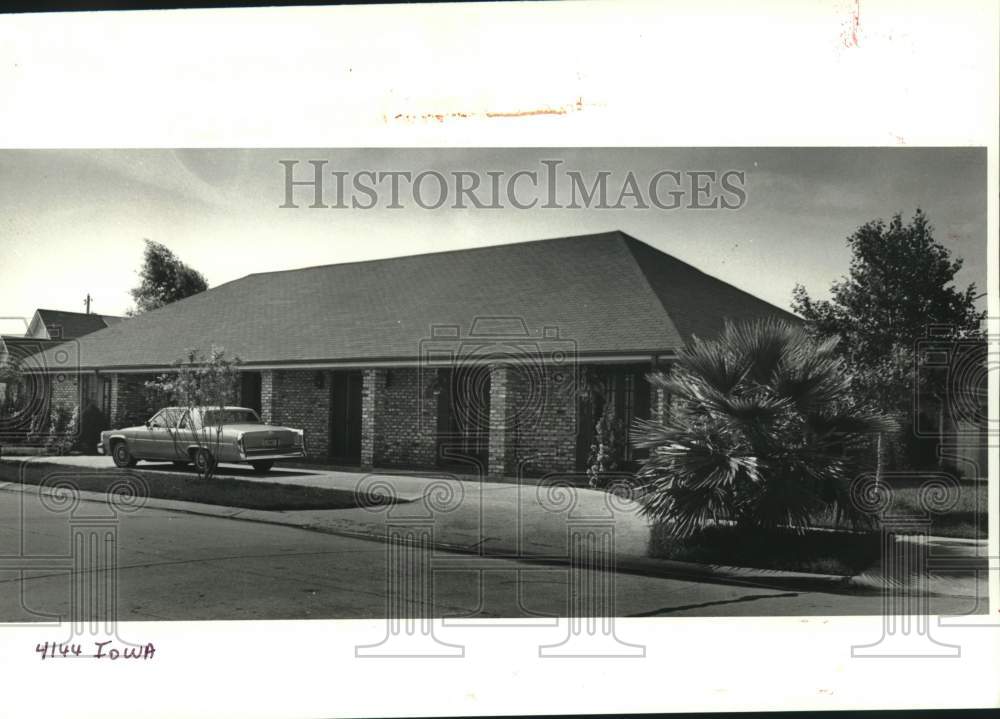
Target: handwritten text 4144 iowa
pixel 100 650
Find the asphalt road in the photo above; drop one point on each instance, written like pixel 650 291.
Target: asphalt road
pixel 177 566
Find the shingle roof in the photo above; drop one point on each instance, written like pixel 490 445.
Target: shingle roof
pixel 17 348
pixel 607 293
pixel 73 325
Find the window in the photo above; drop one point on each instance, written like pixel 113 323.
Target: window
pixel 159 420
pixel 169 417
pixel 230 416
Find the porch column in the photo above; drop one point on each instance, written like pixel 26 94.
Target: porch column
pixel 267 396
pixel 501 446
pixel 115 407
pixel 372 386
pixel 660 408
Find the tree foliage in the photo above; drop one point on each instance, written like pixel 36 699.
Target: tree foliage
pixel 164 279
pixel 900 284
pixel 200 380
pixel 758 434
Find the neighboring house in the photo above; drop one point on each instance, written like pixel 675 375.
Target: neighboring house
pixel 470 359
pixel 27 399
pixel 59 325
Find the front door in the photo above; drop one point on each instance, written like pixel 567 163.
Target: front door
pixel 250 383
pixel 345 417
pixel 463 416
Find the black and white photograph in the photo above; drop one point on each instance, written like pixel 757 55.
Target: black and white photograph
pixel 415 399
pixel 562 381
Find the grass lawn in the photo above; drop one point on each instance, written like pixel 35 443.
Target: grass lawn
pixel 965 516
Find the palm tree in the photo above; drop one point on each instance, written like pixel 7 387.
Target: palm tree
pixel 760 433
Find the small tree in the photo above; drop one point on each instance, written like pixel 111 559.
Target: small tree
pixel 164 279
pixel 202 381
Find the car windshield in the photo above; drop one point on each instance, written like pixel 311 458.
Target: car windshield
pixel 229 416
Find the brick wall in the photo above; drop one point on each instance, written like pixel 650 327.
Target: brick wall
pixel 295 401
pixel 406 424
pixel 64 391
pixel 132 403
pixel 543 411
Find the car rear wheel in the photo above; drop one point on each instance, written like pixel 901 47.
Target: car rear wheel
pixel 121 456
pixel 261 467
pixel 204 462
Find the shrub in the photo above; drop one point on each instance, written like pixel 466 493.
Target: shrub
pixel 759 433
pixel 608 448
pixel 64 430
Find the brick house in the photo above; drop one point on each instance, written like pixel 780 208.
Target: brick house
pixel 474 360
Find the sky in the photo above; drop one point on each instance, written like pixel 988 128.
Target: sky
pixel 72 223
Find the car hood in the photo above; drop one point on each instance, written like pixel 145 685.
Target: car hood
pixel 124 429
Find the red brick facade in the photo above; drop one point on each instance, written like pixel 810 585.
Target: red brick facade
pixel 533 418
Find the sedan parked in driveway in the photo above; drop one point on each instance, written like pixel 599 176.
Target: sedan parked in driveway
pixel 204 436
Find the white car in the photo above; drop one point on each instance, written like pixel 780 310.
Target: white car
pixel 204 436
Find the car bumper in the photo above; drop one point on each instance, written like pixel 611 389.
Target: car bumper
pixel 269 456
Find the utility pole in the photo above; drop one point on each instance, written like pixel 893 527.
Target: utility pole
pixel 87 302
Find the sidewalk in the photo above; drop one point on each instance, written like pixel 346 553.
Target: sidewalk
pixel 497 519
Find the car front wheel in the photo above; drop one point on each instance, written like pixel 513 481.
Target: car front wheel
pixel 261 467
pixel 121 455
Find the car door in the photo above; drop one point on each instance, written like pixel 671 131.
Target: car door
pixel 165 436
pixel 160 443
pixel 140 439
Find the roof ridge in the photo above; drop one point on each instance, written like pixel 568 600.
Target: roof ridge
pixel 437 253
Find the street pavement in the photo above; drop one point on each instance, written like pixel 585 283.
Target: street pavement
pixel 173 565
